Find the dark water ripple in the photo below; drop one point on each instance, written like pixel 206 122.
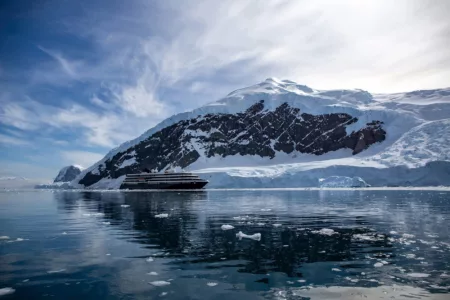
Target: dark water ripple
pixel 314 245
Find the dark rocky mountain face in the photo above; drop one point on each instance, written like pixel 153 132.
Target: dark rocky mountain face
pixel 66 174
pixel 254 132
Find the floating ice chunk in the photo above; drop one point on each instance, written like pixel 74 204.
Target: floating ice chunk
pixel 418 275
pixel 211 283
pixel 410 255
pixel 365 237
pixel 94 215
pixel 256 236
pixel 124 205
pixel 6 291
pixel 351 279
pixel 384 262
pixel 163 294
pixel 336 270
pixel 378 264
pixel 432 235
pixel 4 237
pixel 162 216
pixel 266 209
pixel 152 273
pixel 301 280
pixel 150 259
pixel 325 231
pixel 25 280
pixel 160 283
pixel 408 236
pixel 19 239
pixel 108 254
pixel 276 225
pixel 106 223
pixel 260 224
pixel 290 282
pixel 64 233
pixel 393 232
pixel 226 227
pixel 239 218
pixel 56 271
pixel 445 275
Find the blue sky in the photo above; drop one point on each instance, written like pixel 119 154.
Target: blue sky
pixel 78 78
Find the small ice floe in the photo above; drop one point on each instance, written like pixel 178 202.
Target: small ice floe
pixel 266 209
pixel 336 270
pixel 25 280
pixel 276 225
pixel 290 282
pixel 255 237
pixel 363 273
pixel 445 275
pixel 434 247
pixel 411 255
pixel 212 284
pixel 434 286
pixel 301 280
pixel 393 232
pixel 6 291
pixel 20 239
pixel 163 293
pixel 94 215
pixel 426 242
pixel 159 283
pixel 106 223
pixel 226 227
pixel 432 235
pixel 408 236
pixel 418 275
pixel 150 259
pixel 260 224
pixel 64 233
pixel 56 271
pixel 367 237
pixel 152 273
pixel 124 205
pixel 4 237
pixel 351 279
pixel 323 251
pixel 378 265
pixel 384 262
pixel 240 218
pixel 325 231
pixel 162 216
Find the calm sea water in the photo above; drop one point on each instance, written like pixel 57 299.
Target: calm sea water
pixel 350 244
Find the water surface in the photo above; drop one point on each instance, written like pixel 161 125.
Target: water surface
pixel 321 244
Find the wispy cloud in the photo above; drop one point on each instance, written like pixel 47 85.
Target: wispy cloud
pixel 114 80
pixel 7 140
pixel 67 66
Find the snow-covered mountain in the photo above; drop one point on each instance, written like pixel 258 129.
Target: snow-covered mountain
pixel 68 173
pixel 62 181
pixel 282 134
pixel 16 182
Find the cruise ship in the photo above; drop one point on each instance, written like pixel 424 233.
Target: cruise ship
pixel 167 180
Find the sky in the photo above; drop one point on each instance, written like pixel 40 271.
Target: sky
pixel 78 78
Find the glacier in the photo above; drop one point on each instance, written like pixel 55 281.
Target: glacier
pixel 416 151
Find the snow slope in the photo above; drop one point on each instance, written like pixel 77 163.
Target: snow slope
pixel 417 125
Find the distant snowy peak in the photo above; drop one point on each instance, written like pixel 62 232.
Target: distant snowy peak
pixel 68 173
pixel 12 178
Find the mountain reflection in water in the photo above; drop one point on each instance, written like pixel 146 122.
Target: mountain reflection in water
pixel 112 244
